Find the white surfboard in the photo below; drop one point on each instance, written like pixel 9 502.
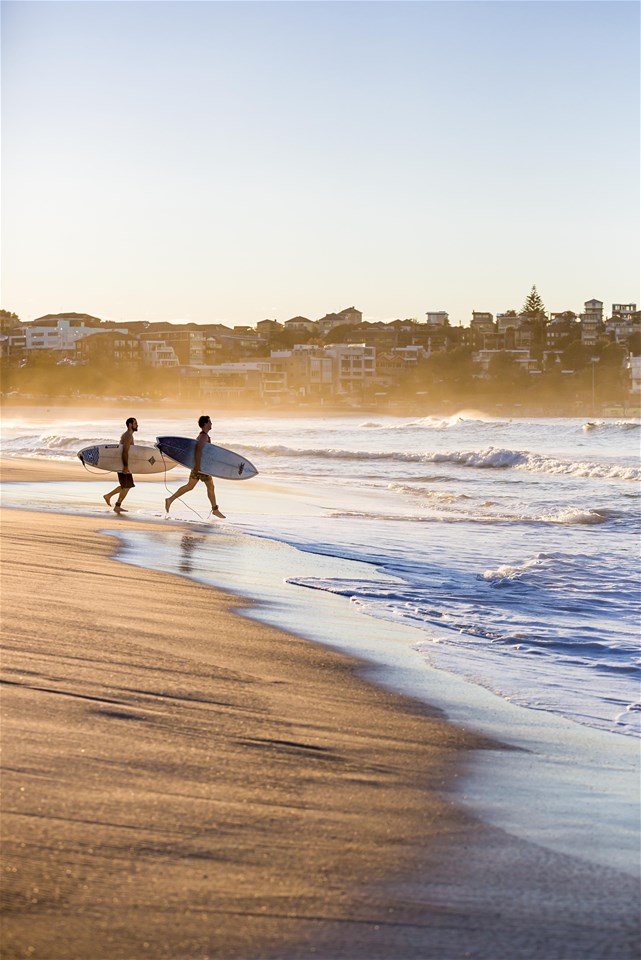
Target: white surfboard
pixel 142 458
pixel 215 461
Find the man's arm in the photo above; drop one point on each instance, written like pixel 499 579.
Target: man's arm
pixel 200 443
pixel 126 443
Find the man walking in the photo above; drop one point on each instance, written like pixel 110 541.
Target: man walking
pixel 125 479
pixel 204 423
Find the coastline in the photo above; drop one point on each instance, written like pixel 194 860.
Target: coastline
pixel 323 818
pixel 482 407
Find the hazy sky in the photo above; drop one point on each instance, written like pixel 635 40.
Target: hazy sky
pixel 231 161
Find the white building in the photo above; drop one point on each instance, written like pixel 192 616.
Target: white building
pixel 411 354
pixel 60 333
pixel 156 353
pixel 354 365
pixel 591 321
pixel 624 311
pixel 635 376
pixel 521 357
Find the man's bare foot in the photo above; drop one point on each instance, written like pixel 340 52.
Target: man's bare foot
pixel 107 499
pixel 119 509
pixel 167 505
pixel 217 513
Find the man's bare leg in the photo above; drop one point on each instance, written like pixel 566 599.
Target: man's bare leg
pixel 108 496
pixel 186 487
pixel 119 508
pixel 211 493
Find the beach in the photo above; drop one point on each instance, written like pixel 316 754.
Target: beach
pixel 182 781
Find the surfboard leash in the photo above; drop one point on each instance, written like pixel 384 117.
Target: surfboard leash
pixel 188 505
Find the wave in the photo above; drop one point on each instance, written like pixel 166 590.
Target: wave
pixel 51 445
pixel 436 423
pixel 445 513
pixel 488 458
pixel 611 425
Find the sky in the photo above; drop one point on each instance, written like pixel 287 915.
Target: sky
pixel 235 161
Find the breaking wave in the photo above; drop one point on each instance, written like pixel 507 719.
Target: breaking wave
pixel 611 425
pixel 486 459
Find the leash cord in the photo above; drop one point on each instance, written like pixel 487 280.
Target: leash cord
pixel 203 519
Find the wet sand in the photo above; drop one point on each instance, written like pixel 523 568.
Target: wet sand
pixel 181 782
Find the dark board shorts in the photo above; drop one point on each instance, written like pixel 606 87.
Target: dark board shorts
pixel 199 476
pixel 126 481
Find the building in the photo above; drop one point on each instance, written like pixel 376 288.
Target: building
pixel 481 327
pixel 354 366
pixel 437 318
pixel 59 331
pixel 624 311
pixel 110 347
pixel 310 371
pixel 263 380
pixel 188 344
pixel 268 328
pixel 560 327
pixel 521 357
pixel 300 323
pixel 156 353
pixel 506 320
pixel 350 317
pixel 591 321
pixel 635 376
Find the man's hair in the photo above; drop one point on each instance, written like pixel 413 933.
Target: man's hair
pixel 129 421
pixel 203 420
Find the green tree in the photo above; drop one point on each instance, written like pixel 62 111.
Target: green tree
pixel 634 343
pixel 534 308
pixel 575 355
pixel 338 334
pixel 8 321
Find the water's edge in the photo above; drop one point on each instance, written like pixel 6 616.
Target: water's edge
pixel 567 787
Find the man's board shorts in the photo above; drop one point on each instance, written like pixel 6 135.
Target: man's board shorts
pixel 126 481
pixel 199 476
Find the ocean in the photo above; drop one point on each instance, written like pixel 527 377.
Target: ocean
pixel 486 566
pixel 509 545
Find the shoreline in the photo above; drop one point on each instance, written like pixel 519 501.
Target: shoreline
pixel 400 408
pixel 404 890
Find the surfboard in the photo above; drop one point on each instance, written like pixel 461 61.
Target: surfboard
pixel 142 459
pixel 215 460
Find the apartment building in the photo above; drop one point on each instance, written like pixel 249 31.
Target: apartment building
pixel 591 321
pixel 310 371
pixel 59 332
pixel 437 318
pixel 156 353
pixel 110 347
pixel 187 344
pixel 354 366
pixel 505 321
pixel 624 311
pixel 521 357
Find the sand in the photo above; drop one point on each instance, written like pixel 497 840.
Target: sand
pixel 182 782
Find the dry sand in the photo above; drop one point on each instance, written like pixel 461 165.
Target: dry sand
pixel 182 782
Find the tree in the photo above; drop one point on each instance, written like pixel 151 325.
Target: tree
pixel 8 321
pixel 339 334
pixel 534 308
pixel 634 343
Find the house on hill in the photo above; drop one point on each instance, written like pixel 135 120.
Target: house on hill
pixel 300 323
pixel 350 317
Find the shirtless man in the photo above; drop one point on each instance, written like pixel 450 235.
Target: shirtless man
pixel 204 423
pixel 125 479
